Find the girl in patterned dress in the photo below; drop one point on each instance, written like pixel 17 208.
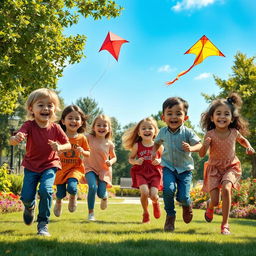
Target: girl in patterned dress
pixel 146 174
pixel 73 123
pixel 224 127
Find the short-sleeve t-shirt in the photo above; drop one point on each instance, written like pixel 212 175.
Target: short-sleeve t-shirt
pixel 174 157
pixel 39 154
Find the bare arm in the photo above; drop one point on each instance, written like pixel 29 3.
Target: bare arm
pixel 18 138
pixel 156 147
pixel 157 161
pixel 132 157
pixel 195 148
pixel 205 146
pixel 246 144
pixel 59 147
pixel 112 157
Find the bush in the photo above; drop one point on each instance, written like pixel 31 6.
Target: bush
pixel 5 182
pixel 16 183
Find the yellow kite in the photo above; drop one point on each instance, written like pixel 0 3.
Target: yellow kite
pixel 203 48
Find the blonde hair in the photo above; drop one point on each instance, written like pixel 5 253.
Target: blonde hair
pixel 109 135
pixel 40 94
pixel 131 136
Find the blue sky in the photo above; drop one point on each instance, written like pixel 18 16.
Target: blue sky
pixel 159 32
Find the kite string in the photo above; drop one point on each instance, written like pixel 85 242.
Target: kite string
pixel 100 77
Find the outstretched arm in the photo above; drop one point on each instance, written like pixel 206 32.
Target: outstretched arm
pixel 195 148
pixel 132 157
pixel 205 146
pixel 157 161
pixel 246 144
pixel 112 157
pixel 18 138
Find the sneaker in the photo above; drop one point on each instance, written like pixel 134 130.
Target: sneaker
pixel 208 215
pixel 187 213
pixel 225 230
pixel 57 210
pixel 103 203
pixel 42 229
pixel 72 203
pixel 156 210
pixel 146 218
pixel 91 216
pixel 29 215
pixel 169 223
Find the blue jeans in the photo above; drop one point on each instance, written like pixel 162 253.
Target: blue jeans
pixel 71 187
pixel 95 186
pixel 29 189
pixel 173 181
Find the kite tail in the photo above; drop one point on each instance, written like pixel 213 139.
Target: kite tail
pixel 179 75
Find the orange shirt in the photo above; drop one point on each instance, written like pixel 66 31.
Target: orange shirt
pixel 71 161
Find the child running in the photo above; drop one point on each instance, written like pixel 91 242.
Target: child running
pixel 98 166
pixel 41 161
pixel 178 141
pixel 73 123
pixel 224 126
pixel 146 174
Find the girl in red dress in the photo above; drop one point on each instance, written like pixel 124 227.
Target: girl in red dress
pixel 146 174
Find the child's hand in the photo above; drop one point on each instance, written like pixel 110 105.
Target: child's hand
pixel 80 149
pixel 186 146
pixel 250 151
pixel 19 137
pixel 54 145
pixel 108 163
pixel 207 142
pixel 156 161
pixel 140 161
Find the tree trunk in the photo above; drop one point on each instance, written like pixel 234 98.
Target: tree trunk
pixel 254 165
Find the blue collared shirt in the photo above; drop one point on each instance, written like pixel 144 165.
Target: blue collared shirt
pixel 174 157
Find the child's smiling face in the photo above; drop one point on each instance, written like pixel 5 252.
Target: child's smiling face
pixel 175 116
pixel 147 130
pixel 222 117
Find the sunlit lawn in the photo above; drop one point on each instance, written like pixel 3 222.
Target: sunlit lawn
pixel 118 231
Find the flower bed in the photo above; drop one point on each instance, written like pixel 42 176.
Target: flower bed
pixel 9 203
pixel 243 203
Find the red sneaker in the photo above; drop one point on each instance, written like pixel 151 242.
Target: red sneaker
pixel 156 210
pixel 146 218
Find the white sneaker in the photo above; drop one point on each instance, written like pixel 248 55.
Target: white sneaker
pixel 103 203
pixel 91 216
pixel 57 210
pixel 72 203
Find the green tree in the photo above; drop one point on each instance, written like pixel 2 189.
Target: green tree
pixel 33 48
pixel 242 81
pixel 90 107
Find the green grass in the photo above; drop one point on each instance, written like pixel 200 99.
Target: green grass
pixel 118 231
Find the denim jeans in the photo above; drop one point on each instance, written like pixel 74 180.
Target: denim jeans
pixel 71 187
pixel 176 181
pixel 29 189
pixel 95 186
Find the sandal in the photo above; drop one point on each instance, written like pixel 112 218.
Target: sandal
pixel 208 215
pixel 225 230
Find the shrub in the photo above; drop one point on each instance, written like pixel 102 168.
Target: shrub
pixel 5 182
pixel 16 183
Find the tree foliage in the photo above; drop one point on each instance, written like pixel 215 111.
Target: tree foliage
pixel 242 81
pixel 33 48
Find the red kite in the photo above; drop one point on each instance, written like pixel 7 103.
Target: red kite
pixel 113 44
pixel 203 48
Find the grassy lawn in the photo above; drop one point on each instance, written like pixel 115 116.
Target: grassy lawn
pixel 118 231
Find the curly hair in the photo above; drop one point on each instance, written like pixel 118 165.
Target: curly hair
pixel 234 102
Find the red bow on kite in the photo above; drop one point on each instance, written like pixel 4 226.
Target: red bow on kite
pixel 113 44
pixel 203 48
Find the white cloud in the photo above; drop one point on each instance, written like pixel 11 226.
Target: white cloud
pixel 165 69
pixel 203 76
pixel 191 4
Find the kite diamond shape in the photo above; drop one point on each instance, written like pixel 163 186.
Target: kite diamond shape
pixel 113 43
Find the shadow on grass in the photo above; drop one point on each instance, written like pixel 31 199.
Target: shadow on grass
pixel 47 246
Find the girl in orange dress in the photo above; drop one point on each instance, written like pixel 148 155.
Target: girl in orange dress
pixel 98 167
pixel 224 127
pixel 146 174
pixel 73 122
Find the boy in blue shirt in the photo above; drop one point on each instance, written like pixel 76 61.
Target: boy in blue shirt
pixel 178 141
